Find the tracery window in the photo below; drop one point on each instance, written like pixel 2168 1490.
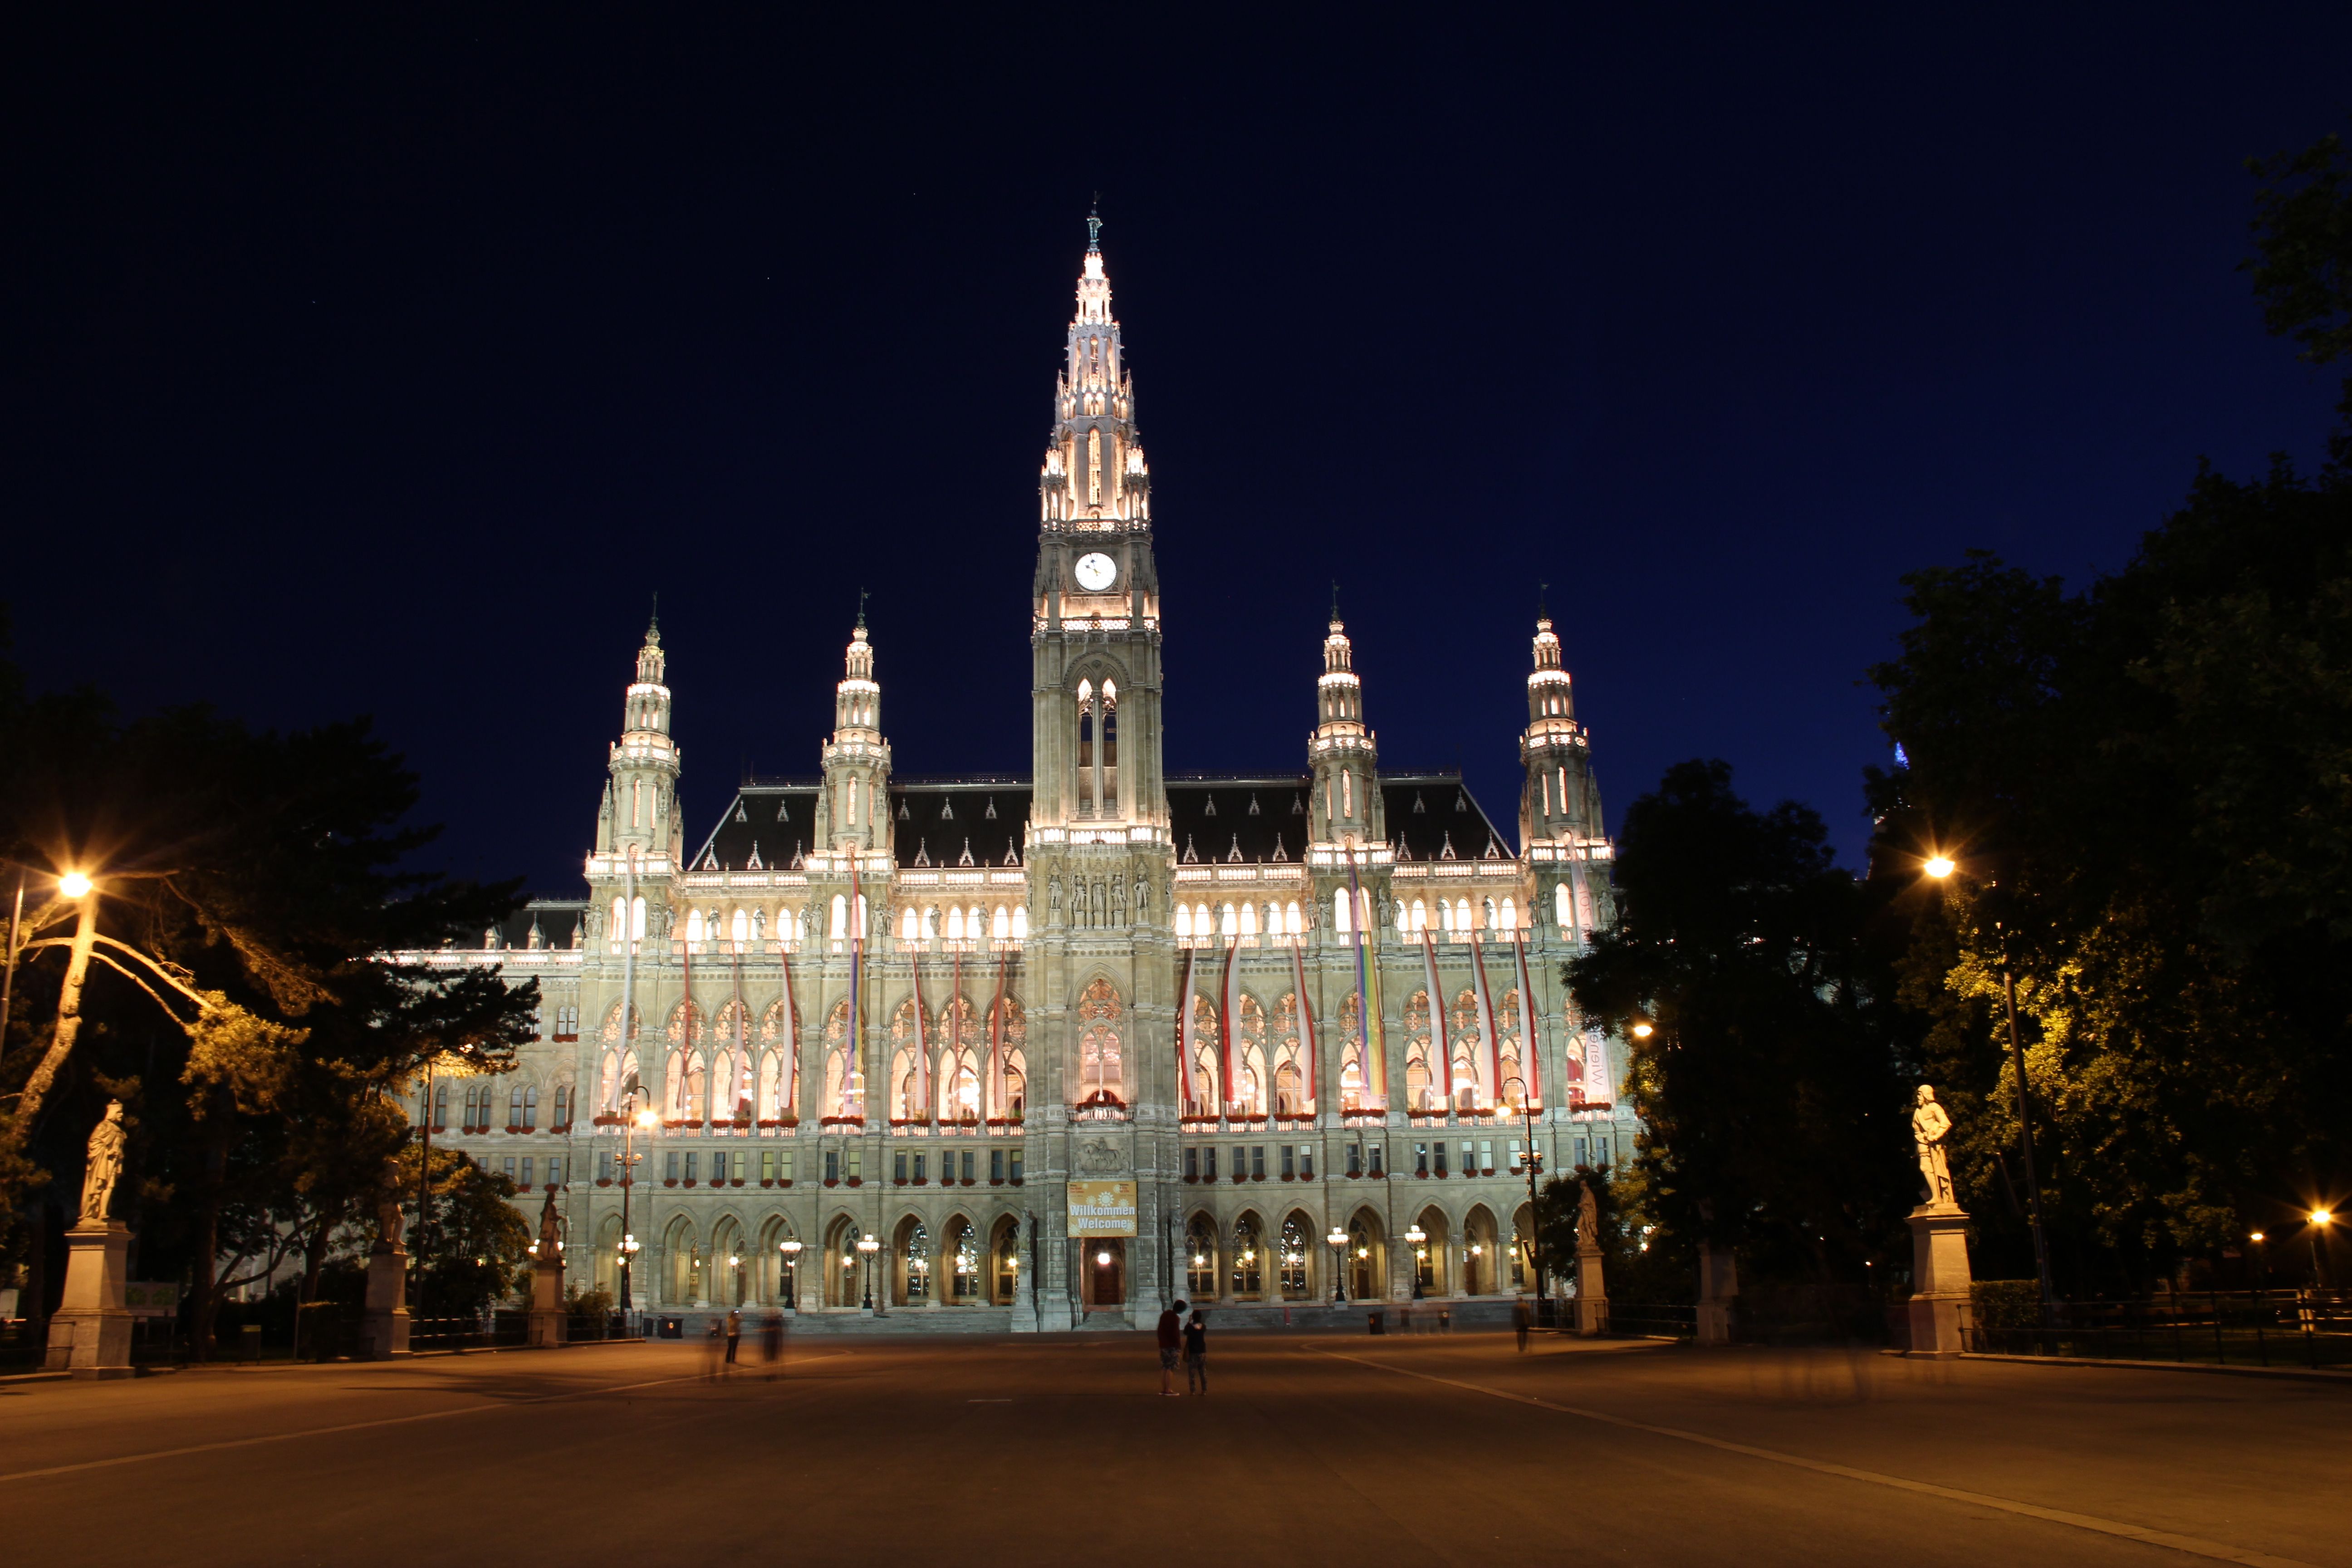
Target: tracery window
pixel 1200 1259
pixel 1101 1071
pixel 1339 922
pixel 1288 1052
pixel 1249 1056
pixel 964 1246
pixel 1562 913
pixel 1248 1269
pixel 1420 1094
pixel 844 1082
pixel 1294 1259
pixel 1511 1047
pixel 1468 1076
pixel 916 1261
pixel 1205 1058
pixel 1351 1066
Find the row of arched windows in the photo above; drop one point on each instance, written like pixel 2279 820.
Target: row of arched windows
pixel 478 1104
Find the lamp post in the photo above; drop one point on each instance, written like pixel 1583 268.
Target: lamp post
pixel 1338 1242
pixel 1414 1236
pixel 1939 866
pixel 2320 1220
pixel 2261 1261
pixel 632 1118
pixel 866 1247
pixel 791 1247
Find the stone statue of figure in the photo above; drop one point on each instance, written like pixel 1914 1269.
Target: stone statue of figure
pixel 1929 1127
pixel 389 1224
pixel 551 1233
pixel 105 1166
pixel 1588 1221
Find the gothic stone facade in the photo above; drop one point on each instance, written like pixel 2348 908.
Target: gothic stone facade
pixel 931 1012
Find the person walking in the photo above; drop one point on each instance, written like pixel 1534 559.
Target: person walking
pixel 1196 1354
pixel 1172 1342
pixel 734 1333
pixel 1519 1321
pixel 771 1340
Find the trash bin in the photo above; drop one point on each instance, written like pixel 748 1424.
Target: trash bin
pixel 248 1341
pixel 1445 1320
pixel 672 1329
pixel 1376 1322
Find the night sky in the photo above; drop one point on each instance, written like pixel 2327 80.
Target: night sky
pixel 384 363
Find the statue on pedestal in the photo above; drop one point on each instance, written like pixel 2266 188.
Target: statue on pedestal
pixel 105 1166
pixel 1588 1221
pixel 551 1233
pixel 1929 1126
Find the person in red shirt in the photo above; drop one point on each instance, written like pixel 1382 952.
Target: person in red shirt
pixel 1172 1345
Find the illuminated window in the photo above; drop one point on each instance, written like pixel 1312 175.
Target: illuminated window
pixel 743 927
pixel 955 925
pixel 637 919
pixel 1290 921
pixel 1560 904
pixel 621 923
pixel 693 926
pixel 1421 915
pixel 1002 926
pixel 1231 924
pixel 906 926
pixel 840 917
pixel 1020 923
pixel 1249 919
pixel 1183 920
pixel 1511 915
pixel 1100 1071
pixel 1346 794
pixel 1461 914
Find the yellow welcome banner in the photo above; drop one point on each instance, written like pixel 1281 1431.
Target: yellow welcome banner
pixel 1102 1209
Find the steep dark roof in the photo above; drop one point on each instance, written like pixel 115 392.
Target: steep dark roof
pixel 1210 817
pixel 932 820
pixel 554 917
pixel 936 822
pixel 1430 815
pixel 773 818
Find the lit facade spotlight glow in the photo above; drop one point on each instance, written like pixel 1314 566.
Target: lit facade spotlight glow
pixel 1939 866
pixel 74 885
pixel 1642 1031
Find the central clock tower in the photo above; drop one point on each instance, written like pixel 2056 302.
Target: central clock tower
pixel 1095 632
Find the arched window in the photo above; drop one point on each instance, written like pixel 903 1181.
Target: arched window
pixel 1290 921
pixel 1001 926
pixel 1511 915
pixel 915 1262
pixel 1420 916
pixel 1249 1263
pixel 620 927
pixel 1231 924
pixel 441 1106
pixel 637 919
pixel 1562 913
pixel 1294 1244
pixel 1020 923
pixel 1461 914
pixel 1200 1259
pixel 1418 1078
pixel 1102 1070
pixel 955 925
pixel 906 926
pixel 694 925
pixel 1249 919
pixel 845 1084
pixel 840 917
pixel 964 1247
pixel 1249 1056
pixel 1339 922
pixel 1183 920
pixel 1469 1085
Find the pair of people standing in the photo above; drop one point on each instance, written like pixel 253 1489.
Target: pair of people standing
pixel 1190 1341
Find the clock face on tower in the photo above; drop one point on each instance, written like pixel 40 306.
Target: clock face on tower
pixel 1096 571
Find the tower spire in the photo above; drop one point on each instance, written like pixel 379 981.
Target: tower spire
pixel 1344 755
pixel 1094 474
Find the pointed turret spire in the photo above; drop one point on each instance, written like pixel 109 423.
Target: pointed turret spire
pixel 855 811
pixel 1094 474
pixel 1559 802
pixel 643 761
pixel 1343 754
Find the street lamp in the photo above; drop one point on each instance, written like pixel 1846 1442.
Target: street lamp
pixel 632 1120
pixel 791 1247
pixel 1338 1241
pixel 1939 866
pixel 1644 1030
pixel 2320 1220
pixel 867 1246
pixel 1414 1236
pixel 74 885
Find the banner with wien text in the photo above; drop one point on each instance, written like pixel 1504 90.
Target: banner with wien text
pixel 1102 1209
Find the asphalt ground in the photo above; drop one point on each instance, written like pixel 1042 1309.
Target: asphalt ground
pixel 1059 1450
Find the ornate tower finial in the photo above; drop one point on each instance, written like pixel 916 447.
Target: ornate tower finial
pixel 1335 601
pixel 653 627
pixel 1543 608
pixel 861 611
pixel 1094 226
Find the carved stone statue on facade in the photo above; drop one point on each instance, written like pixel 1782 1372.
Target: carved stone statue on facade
pixel 390 1223
pixel 1929 1126
pixel 105 1166
pixel 1054 899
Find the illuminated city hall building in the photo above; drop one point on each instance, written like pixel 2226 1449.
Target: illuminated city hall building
pixel 994 1051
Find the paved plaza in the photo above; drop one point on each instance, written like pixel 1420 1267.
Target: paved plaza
pixel 1308 1449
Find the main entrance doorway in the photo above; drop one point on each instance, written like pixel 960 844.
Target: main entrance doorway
pixel 1104 1271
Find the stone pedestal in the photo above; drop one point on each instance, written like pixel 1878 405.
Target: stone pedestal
pixel 90 1335
pixel 1592 1293
pixel 383 1326
pixel 548 1319
pixel 1718 1292
pixel 1024 1303
pixel 1940 1281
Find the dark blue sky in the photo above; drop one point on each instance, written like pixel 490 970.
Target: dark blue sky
pixel 386 364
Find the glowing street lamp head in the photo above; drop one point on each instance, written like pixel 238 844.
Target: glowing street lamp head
pixel 646 1119
pixel 1642 1031
pixel 1938 866
pixel 74 885
pixel 2257 1235
pixel 2322 1216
